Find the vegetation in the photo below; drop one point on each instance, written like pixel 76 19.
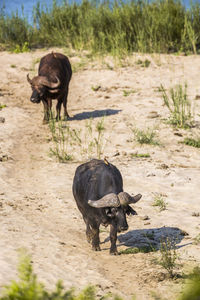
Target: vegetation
pixel 192 287
pixel 192 142
pixel 179 106
pixel 134 250
pixel 160 202
pixel 61 137
pixel 197 240
pixel 126 93
pixel 140 155
pixel 145 63
pixel 168 256
pixel 146 136
pixel 28 287
pixel 114 27
pixel 89 140
pixel 2 106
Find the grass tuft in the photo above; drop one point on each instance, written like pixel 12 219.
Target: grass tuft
pixel 192 142
pixel 2 106
pixel 160 202
pixel 134 250
pixel 179 106
pixel 146 136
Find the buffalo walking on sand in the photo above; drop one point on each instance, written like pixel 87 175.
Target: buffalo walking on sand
pixel 98 191
pixel 52 82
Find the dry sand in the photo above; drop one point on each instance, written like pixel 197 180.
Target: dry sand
pixel 37 209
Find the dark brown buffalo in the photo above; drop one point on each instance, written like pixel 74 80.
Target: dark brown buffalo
pixel 99 195
pixel 52 82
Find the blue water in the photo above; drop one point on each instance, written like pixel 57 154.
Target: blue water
pixel 16 5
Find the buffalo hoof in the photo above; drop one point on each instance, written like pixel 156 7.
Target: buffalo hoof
pixel 114 252
pixel 66 117
pixel 45 122
pixel 96 248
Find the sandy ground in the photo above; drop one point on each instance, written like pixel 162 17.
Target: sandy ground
pixel 37 209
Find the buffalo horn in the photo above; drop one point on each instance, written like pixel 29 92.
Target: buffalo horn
pixel 126 199
pixel 28 79
pixel 109 200
pixel 52 85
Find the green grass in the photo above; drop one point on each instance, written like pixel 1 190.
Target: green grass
pixel 160 202
pixel 69 143
pixel 140 155
pixel 145 136
pixel 196 240
pixel 168 256
pixel 113 27
pixel 191 289
pixel 134 250
pixel 192 142
pixel 126 93
pixel 2 106
pixel 61 137
pixel 146 63
pixel 27 286
pixel 179 106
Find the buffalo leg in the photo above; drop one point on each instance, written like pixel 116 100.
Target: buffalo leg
pixel 95 238
pixel 88 231
pixel 47 110
pixel 66 115
pixel 113 239
pixel 58 109
pixel 92 234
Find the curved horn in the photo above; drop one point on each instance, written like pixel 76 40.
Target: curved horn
pixel 28 79
pixel 126 199
pixel 109 200
pixel 52 85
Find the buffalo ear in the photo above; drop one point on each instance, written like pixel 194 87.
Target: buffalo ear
pixel 130 210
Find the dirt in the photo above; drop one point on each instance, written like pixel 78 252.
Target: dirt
pixel 37 209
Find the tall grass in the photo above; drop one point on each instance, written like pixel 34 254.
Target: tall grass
pixel 68 142
pixel 179 105
pixel 116 27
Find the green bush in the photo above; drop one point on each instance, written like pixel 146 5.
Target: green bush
pixel 108 26
pixel 28 287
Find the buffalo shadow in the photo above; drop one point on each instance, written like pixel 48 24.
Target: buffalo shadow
pixel 94 114
pixel 151 238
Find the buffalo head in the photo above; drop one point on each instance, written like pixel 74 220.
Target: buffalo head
pixel 40 86
pixel 116 207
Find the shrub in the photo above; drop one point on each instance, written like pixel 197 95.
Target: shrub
pixel 28 287
pixel 160 202
pixel 146 136
pixel 107 27
pixel 179 106
pixel 192 287
pixel 168 255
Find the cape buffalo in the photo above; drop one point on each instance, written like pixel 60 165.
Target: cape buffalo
pixel 98 191
pixel 52 82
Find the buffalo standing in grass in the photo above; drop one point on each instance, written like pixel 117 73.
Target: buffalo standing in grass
pixel 52 82
pixel 98 191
